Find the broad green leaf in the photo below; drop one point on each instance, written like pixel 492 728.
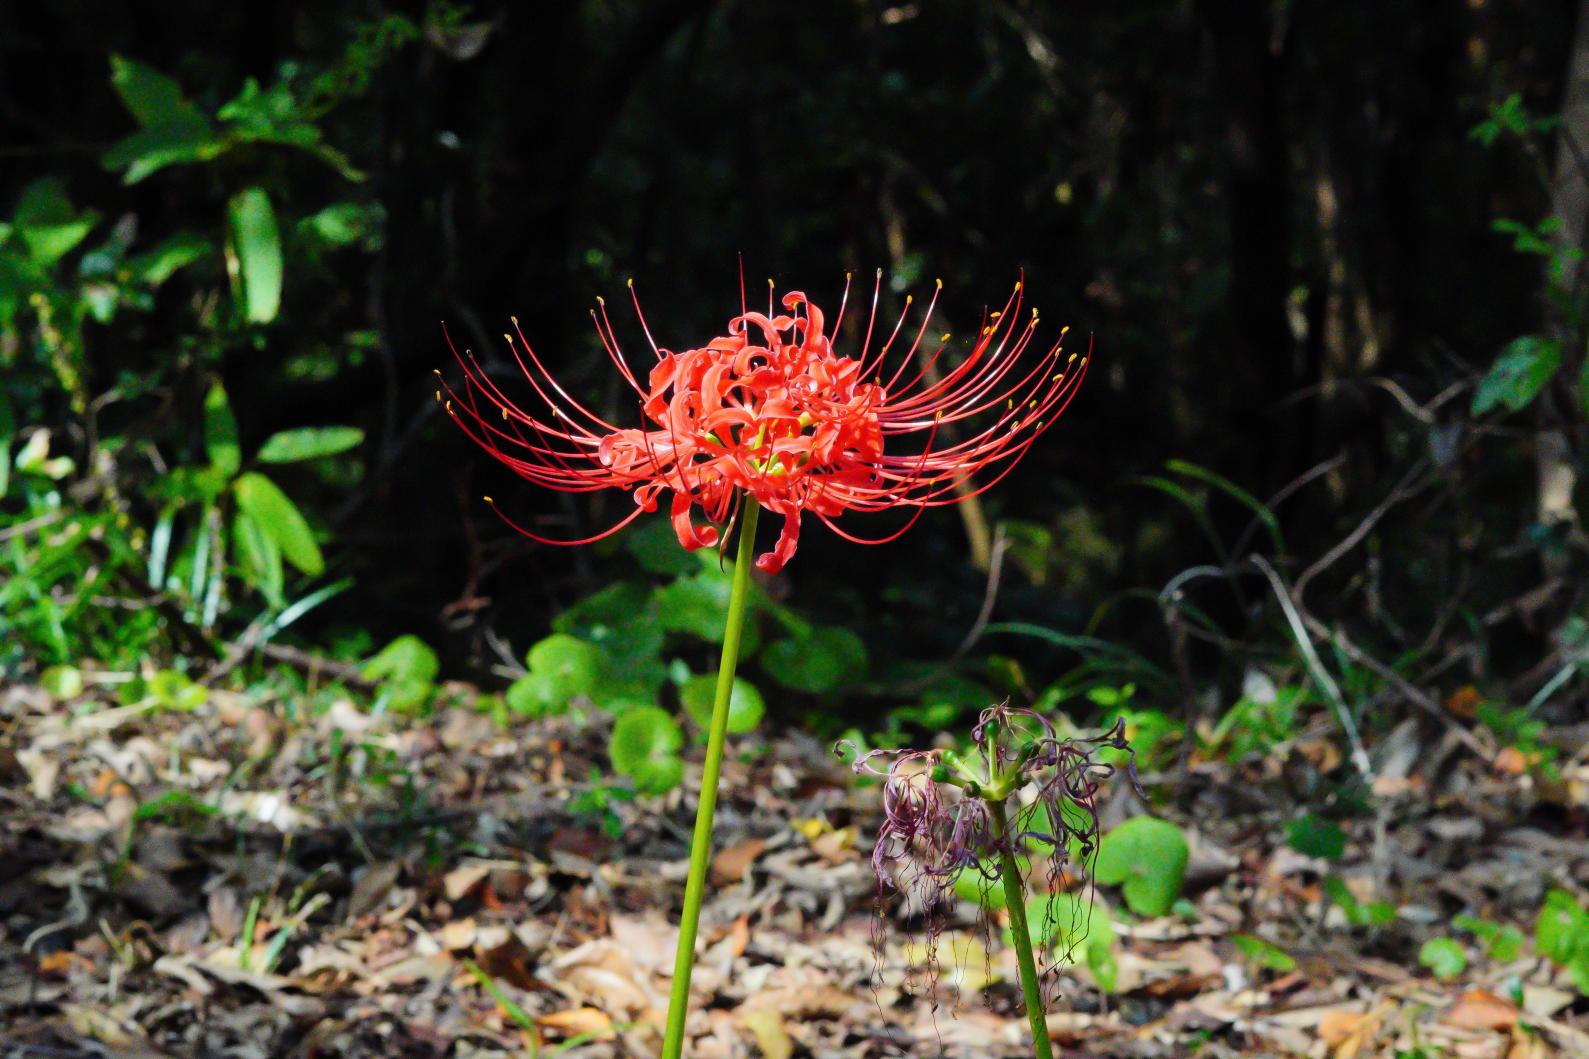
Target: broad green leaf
pixel 1263 954
pixel 346 223
pixel 309 443
pixel 1147 858
pixel 535 695
pixel 569 665
pixel 173 129
pixel 656 548
pixel 1562 928
pixel 697 606
pixel 155 266
pixel 259 555
pixel 220 432
pixel 148 151
pixel 62 682
pixel 406 658
pixel 175 691
pixel 1070 924
pixel 253 255
pixel 1517 376
pixel 269 506
pixel 645 746
pixel 826 659
pixel 745 705
pixel 1444 957
pixel 1314 836
pixel 47 223
pixel 983 886
pixel 273 115
pixel 622 621
pixel 154 99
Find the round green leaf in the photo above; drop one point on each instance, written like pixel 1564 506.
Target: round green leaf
pixel 535 695
pixel 407 658
pixel 1444 957
pixel 656 548
pixel 745 705
pixel 269 506
pixel 62 682
pixel 571 665
pixel 697 606
pixel 1147 858
pixel 816 663
pixel 645 747
pixel 175 691
pixel 979 889
pixel 1069 923
pixel 308 443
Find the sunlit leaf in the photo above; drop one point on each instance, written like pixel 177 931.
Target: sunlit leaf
pixel 269 506
pixel 645 746
pixel 253 254
pixel 1147 858
pixel 309 443
pixel 745 704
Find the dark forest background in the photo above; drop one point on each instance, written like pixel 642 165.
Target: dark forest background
pixel 1328 255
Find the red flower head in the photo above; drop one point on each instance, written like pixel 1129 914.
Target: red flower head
pixel 771 410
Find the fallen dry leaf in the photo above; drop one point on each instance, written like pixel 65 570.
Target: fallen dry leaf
pixel 1478 1010
pixel 771 1037
pixel 730 865
pixel 574 1022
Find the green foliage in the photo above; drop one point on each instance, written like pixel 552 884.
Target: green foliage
pixel 253 255
pixel 308 443
pixel 1444 957
pixel 1500 942
pixel 1517 377
pixel 1561 935
pixel 645 747
pixel 745 705
pixel 1254 725
pixel 1261 953
pixel 1357 913
pixel 1074 926
pixel 816 661
pixel 1314 836
pixel 62 682
pixel 407 669
pixel 1146 858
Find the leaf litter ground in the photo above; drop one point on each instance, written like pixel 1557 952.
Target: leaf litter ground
pixel 237 882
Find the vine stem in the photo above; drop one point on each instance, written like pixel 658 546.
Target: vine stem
pixel 1015 901
pixel 716 736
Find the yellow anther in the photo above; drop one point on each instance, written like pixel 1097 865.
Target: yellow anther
pixel 1009 406
pixel 945 337
pixel 1017 285
pixel 909 298
pixel 1059 378
pixel 1072 359
pixel 631 281
pixel 1084 362
pixel 940 284
pixel 996 315
pixel 504 413
pixel 879 273
pixel 600 300
pixel 1032 405
pixel 1015 426
pixel 515 320
pixel 438 395
pixel 488 500
pixel 939 415
pixel 504 335
pixel 436 372
pixel 449 408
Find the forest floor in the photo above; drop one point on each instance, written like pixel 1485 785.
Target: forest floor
pixel 244 880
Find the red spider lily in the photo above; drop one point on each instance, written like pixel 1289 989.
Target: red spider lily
pixel 772 411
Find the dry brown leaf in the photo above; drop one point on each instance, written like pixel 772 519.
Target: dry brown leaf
pixel 730 866
pixel 458 882
pixel 1511 761
pixel 801 1002
pixel 573 1022
pixel 771 1037
pixel 1478 1010
pixel 457 935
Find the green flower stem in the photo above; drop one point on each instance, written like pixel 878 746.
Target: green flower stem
pixel 1015 900
pixel 701 843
